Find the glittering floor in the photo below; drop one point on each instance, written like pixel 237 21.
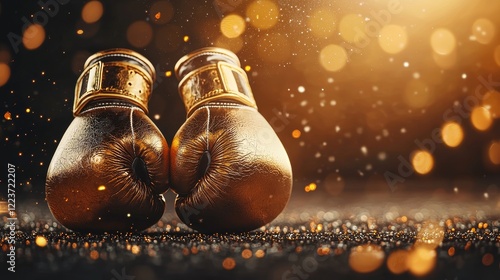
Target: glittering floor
pixel 369 236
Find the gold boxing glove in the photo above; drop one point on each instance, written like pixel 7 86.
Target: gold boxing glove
pixel 228 167
pixel 111 166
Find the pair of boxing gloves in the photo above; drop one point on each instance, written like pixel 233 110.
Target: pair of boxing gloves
pixel 226 164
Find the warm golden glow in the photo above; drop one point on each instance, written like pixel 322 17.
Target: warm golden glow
pixel 92 11
pixel 491 101
pixel 421 261
pixel 263 14
pixel 366 258
pixel 422 161
pixel 445 61
pixel 481 118
pixel 139 34
pixel 3 207
pixel 397 261
pixel 310 188
pixel 234 44
pixel 101 188
pixel 79 32
pixel 333 58
pixel 418 94
pixel 260 253
pixel 168 74
pixel 443 42
pixel 393 39
pixel 494 152
pixel 430 235
pixel 496 55
pixel 296 133
pixel 322 23
pixel 352 28
pixel 7 116
pixel 33 36
pixel 452 134
pixel 483 31
pixel 228 263
pixel 40 241
pixel 4 73
pixel 94 255
pixel 246 254
pixel 274 47
pixel 232 26
pixel 161 11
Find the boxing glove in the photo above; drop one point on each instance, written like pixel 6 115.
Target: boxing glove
pixel 110 168
pixel 228 167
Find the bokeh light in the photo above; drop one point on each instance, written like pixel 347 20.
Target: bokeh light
pixel 494 152
pixel 232 26
pixel 92 11
pixel 322 23
pixel 4 73
pixel 481 118
pixel 7 116
pixel 393 38
pixel 352 28
pixel 263 14
pixel 443 42
pixel 397 261
pixel 296 133
pixel 421 261
pixel 491 101
pixel 274 47
pixel 430 235
pixel 366 258
pixel 483 31
pixel 452 134
pixel 161 12
pixel 33 36
pixel 488 259
pixel 41 241
pixel 333 58
pixel 228 263
pixel 139 34
pixel 422 161
pixel 311 187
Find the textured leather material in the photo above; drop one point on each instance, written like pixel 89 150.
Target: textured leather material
pixel 109 171
pixel 229 169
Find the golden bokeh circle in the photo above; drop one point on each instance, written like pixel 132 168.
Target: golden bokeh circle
pixel 333 58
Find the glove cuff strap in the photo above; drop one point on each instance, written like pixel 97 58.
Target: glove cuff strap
pixel 115 79
pixel 215 82
pixel 212 74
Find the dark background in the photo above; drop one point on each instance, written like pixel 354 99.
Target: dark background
pixel 368 93
pixel 344 131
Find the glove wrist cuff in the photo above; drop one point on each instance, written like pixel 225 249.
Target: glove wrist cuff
pixel 116 74
pixel 220 79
